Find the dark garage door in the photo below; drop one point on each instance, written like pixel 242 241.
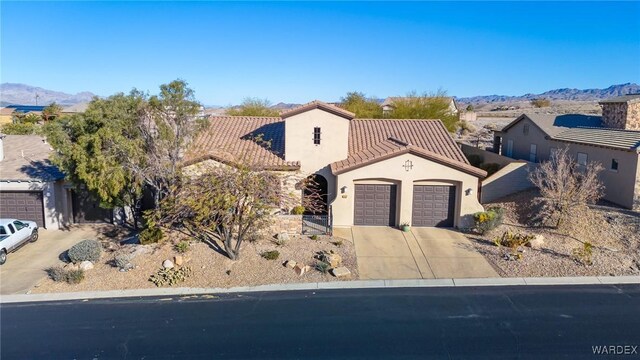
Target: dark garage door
pixel 87 209
pixel 22 205
pixel 375 205
pixel 433 205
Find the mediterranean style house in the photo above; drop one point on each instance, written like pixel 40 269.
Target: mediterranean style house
pixel 372 172
pixel 612 139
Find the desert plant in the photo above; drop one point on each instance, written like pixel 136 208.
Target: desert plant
pixel 486 221
pixel 337 243
pixel 57 273
pixel 583 254
pixel 322 267
pixel 565 187
pixel 297 210
pixel 513 241
pixel 85 250
pixel 170 276
pixel 151 235
pixel 182 247
pixel 122 260
pixel 313 237
pixel 541 102
pixel 75 276
pixel 270 255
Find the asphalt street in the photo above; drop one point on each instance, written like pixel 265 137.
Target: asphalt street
pixel 542 322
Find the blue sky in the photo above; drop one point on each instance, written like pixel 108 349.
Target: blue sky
pixel 296 52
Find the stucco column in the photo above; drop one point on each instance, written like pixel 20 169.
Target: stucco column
pixel 49 201
pixel 405 203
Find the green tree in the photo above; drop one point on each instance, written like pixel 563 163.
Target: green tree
pixel 364 108
pixel 426 106
pixel 253 107
pixel 51 112
pixel 22 128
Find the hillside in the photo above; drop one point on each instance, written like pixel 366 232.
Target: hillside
pixel 21 94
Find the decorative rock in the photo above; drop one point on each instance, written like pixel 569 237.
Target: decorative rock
pixel 167 264
pixel 340 272
pixel 334 260
pixel 86 265
pixel 290 264
pixel 178 260
pixel 283 236
pixel 537 242
pixel 300 269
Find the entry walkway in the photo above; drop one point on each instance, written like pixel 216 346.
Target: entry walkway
pixel 428 253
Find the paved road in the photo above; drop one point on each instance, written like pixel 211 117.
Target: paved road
pixel 488 322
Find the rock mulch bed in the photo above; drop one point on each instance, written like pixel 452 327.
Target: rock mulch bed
pixel 212 269
pixel 614 234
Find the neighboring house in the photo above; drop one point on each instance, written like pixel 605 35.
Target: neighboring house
pixel 7 112
pixel 6 115
pixel 387 105
pixel 612 139
pixel 32 188
pixel 378 172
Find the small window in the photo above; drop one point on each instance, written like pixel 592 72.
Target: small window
pixel 509 148
pixel 533 153
pixel 3 231
pixel 525 129
pixel 316 135
pixel 582 159
pixel 11 229
pixel 614 165
pixel 19 225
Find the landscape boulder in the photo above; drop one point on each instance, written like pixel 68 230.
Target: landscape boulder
pixel 333 259
pixel 301 269
pixel 340 272
pixel 290 264
pixel 537 242
pixel 283 236
pixel 167 264
pixel 86 265
pixel 178 260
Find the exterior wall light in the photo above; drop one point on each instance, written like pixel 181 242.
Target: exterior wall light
pixel 469 191
pixel 408 165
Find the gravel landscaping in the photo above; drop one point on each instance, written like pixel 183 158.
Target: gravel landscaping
pixel 210 268
pixel 613 232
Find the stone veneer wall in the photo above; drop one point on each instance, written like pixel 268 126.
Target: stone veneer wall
pixel 290 224
pixel 636 195
pixel 621 115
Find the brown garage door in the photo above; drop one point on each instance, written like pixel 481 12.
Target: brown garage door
pixel 375 205
pixel 433 205
pixel 22 205
pixel 87 209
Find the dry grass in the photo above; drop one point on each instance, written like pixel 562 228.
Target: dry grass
pixel 613 232
pixel 212 269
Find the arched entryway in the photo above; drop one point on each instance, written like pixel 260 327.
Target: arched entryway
pixel 318 187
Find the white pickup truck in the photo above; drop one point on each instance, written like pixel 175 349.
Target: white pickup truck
pixel 13 234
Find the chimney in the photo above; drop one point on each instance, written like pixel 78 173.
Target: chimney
pixel 622 112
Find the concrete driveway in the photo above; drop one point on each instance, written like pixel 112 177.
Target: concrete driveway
pixel 387 253
pixel 26 267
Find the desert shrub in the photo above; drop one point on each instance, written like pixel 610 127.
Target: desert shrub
pixel 122 260
pixel 322 267
pixel 151 235
pixel 75 276
pixel 337 243
pixel 541 102
pixel 513 241
pixel 170 276
pixel 85 250
pixel 57 273
pixel 297 210
pixel 486 221
pixel 313 237
pixel 583 254
pixel 270 255
pixel 182 247
pixel 490 168
pixel 475 160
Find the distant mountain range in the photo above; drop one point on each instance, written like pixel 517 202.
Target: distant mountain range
pixel 559 94
pixel 21 94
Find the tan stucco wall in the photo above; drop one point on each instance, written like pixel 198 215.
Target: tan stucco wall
pixel 299 146
pixel 522 143
pixel 636 201
pixel 392 171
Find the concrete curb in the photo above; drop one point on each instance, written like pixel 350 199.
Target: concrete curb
pixel 356 284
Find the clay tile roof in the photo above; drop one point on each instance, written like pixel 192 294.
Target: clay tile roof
pixel 316 104
pixel 252 141
pixel 372 140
